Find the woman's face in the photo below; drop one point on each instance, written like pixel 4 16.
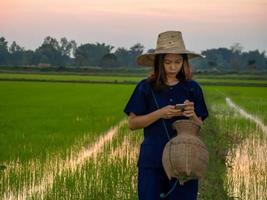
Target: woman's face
pixel 172 64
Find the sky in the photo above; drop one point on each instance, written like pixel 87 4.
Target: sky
pixel 204 24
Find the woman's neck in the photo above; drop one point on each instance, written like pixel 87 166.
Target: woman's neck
pixel 172 80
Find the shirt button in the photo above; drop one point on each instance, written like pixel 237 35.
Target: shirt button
pixel 171 88
pixel 170 99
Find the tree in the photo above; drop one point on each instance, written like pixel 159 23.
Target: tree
pixel 91 54
pixel 251 64
pixel 16 54
pixel 221 56
pixel 109 60
pixel 127 58
pixel 3 51
pixel 52 42
pixel 235 60
pixel 15 48
pixel 123 57
pixel 67 48
pixel 135 51
pixel 254 60
pixel 54 53
pixel 28 57
pixel 236 48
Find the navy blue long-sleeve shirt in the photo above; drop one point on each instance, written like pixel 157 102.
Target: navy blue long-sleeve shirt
pixel 141 102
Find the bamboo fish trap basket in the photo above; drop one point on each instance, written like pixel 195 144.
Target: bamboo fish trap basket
pixel 185 156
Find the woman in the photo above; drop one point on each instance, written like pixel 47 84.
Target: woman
pixel 171 83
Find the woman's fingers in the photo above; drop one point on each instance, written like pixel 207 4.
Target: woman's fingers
pixel 175 111
pixel 188 103
pixel 189 108
pixel 188 113
pixel 171 111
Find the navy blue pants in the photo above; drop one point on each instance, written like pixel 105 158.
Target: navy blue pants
pixel 154 181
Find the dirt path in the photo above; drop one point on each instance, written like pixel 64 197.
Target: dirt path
pixel 247 178
pixel 247 115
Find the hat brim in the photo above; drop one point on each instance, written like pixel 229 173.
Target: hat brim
pixel 148 58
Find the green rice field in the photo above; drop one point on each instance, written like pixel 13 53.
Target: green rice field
pixel 257 80
pixel 65 140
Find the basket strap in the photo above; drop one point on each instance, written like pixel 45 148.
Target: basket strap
pixel 163 122
pixel 164 195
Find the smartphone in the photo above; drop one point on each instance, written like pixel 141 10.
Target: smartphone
pixel 180 106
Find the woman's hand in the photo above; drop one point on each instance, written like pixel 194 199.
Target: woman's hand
pixel 189 110
pixel 169 111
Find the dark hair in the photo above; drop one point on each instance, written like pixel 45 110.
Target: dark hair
pixel 158 77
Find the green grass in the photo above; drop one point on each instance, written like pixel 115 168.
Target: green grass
pixel 41 118
pixel 224 129
pixel 111 176
pixel 207 79
pixel 50 77
pixel 233 76
pixel 228 80
pixel 252 99
pixel 42 124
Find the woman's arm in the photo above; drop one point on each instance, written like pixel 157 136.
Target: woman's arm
pixel 167 112
pixel 142 121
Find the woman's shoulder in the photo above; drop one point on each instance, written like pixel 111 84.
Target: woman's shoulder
pixel 143 84
pixel 192 87
pixel 192 84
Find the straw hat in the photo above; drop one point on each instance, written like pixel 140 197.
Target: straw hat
pixel 168 42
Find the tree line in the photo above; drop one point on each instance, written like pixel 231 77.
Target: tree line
pixel 233 59
pixel 64 53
